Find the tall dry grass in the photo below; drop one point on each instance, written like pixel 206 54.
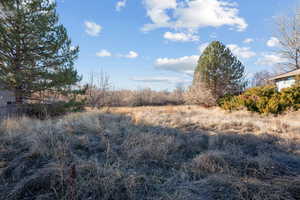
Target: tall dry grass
pixel 214 119
pixel 162 153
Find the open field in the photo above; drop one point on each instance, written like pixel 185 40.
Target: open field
pixel 167 153
pixel 214 119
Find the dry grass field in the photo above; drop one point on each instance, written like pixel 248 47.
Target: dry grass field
pixel 213 119
pixel 164 153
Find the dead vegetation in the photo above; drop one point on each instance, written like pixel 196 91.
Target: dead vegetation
pixel 151 153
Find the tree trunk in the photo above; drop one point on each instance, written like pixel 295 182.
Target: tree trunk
pixel 297 59
pixel 19 97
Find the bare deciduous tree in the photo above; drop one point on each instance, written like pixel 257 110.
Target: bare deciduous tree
pixel 261 78
pixel 199 94
pixel 288 33
pixel 179 93
pixel 99 89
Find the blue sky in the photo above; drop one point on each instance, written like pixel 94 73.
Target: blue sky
pixel 156 43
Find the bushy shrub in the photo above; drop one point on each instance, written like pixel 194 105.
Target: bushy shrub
pixel 266 99
pixel 198 94
pixel 230 102
pixel 56 109
pixel 290 97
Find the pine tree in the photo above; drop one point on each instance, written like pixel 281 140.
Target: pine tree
pixel 220 70
pixel 35 51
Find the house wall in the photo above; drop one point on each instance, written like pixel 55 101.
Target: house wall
pixel 285 83
pixel 6 96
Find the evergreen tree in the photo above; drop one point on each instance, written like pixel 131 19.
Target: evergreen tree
pixel 220 70
pixel 35 51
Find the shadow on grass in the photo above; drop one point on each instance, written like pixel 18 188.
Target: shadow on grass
pixel 107 157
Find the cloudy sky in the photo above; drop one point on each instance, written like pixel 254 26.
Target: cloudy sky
pixel 156 43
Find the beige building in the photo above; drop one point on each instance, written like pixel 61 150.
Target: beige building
pixel 285 80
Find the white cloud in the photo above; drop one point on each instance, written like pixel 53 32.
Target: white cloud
pixel 156 10
pixel 192 15
pixel 270 60
pixel 103 53
pixel 273 42
pixel 161 79
pixel 92 29
pixel 202 47
pixel 242 52
pixel 248 40
pixel 186 64
pixel 120 5
pixel 131 55
pixel 181 37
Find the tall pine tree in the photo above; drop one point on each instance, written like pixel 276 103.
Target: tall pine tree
pixel 220 70
pixel 35 51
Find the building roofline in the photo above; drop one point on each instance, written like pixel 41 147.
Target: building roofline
pixel 285 75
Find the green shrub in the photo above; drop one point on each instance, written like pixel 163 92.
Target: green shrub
pixel 264 100
pixel 290 97
pixel 230 102
pixel 43 111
